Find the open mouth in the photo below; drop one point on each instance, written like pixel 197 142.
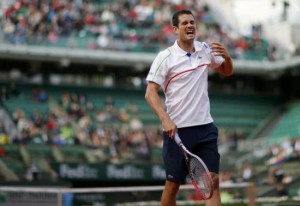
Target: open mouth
pixel 190 32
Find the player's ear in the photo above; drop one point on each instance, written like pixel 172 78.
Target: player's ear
pixel 175 29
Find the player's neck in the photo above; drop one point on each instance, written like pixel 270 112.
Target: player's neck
pixel 186 46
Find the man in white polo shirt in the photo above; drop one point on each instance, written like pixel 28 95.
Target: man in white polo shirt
pixel 181 71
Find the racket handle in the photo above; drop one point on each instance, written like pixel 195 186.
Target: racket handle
pixel 177 139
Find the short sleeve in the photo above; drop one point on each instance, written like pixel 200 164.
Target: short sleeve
pixel 158 69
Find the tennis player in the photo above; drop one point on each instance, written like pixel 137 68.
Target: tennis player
pixel 181 71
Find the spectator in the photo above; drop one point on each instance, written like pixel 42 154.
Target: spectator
pixel 135 124
pixel 42 95
pixel 4 137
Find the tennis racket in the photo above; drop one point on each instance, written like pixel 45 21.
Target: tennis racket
pixel 198 172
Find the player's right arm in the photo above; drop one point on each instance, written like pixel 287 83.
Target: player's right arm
pixel 153 99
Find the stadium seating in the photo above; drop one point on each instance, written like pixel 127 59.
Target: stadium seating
pixel 12 162
pixel 231 112
pixel 288 125
pixel 243 112
pixel 250 110
pixel 8 172
pixel 128 30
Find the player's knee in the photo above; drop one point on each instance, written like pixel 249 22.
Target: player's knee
pixel 216 181
pixel 172 187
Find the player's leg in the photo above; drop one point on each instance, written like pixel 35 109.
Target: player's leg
pixel 176 171
pixel 207 149
pixel 169 194
pixel 215 200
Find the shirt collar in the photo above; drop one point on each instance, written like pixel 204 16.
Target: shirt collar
pixel 197 45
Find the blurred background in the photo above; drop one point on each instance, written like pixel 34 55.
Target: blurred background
pixel 72 107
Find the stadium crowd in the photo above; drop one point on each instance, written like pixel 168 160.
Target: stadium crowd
pixel 136 25
pixel 73 119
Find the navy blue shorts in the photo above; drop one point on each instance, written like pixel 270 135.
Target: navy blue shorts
pixel 200 140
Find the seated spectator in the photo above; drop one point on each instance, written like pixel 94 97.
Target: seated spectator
pixel 123 116
pixel 42 95
pixel 4 137
pixel 37 119
pixel 135 124
pixel 67 133
pixel 109 104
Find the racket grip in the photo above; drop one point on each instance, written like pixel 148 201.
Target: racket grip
pixel 177 139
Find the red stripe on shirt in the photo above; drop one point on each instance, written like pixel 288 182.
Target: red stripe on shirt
pixel 189 70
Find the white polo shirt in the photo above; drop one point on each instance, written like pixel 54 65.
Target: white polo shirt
pixel 183 79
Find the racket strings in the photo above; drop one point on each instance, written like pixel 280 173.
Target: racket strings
pixel 200 177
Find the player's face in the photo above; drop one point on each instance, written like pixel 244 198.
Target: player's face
pixel 186 29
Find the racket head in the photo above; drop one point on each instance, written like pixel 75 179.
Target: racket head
pixel 199 173
pixel 200 176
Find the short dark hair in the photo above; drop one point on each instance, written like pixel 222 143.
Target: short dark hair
pixel 175 18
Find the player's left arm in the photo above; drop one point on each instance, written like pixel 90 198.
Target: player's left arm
pixel 226 68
